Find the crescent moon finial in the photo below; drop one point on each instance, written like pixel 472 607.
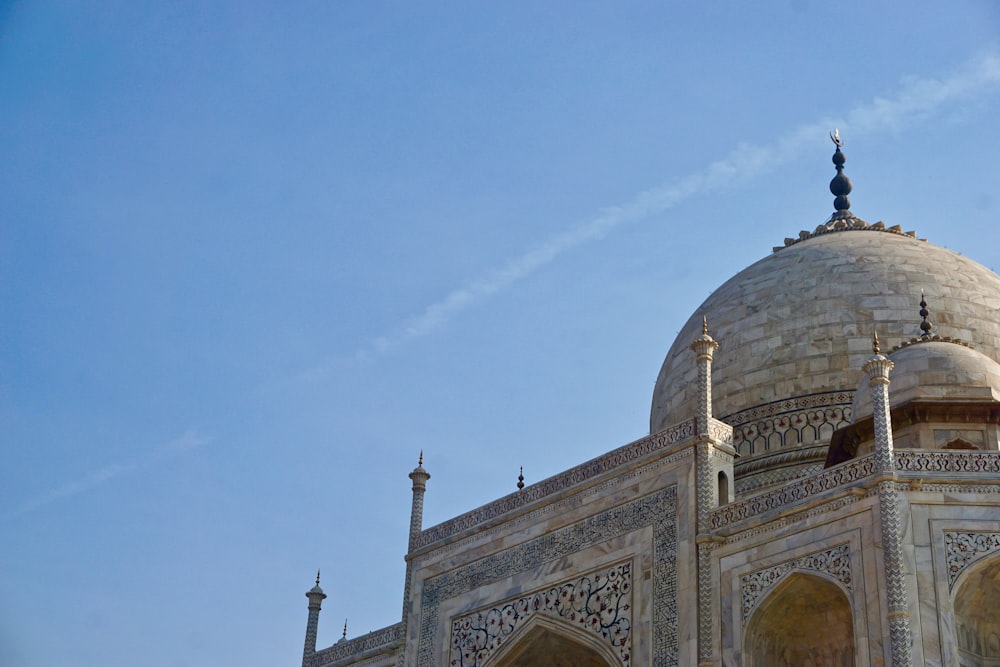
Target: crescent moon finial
pixel 835 138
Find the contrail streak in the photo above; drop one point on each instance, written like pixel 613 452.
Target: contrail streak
pixel 917 99
pixel 186 441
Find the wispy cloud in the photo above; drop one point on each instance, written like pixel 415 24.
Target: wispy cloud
pixel 183 443
pixel 915 100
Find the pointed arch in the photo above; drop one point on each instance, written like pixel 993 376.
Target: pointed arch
pixel 782 631
pixel 977 613
pixel 549 642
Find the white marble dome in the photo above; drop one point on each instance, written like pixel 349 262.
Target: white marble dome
pixel 795 328
pixel 934 371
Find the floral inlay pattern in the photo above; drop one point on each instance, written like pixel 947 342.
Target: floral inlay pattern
pixel 964 548
pixel 835 562
pixel 599 603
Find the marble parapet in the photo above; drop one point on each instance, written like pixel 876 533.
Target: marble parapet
pixel 575 479
pixel 352 650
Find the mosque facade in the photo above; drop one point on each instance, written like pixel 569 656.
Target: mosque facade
pixel 820 486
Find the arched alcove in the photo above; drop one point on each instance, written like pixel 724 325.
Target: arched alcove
pixel 977 615
pixel 546 643
pixel 805 621
pixel 723 489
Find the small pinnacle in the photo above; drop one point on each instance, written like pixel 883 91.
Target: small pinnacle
pixel 925 325
pixel 420 461
pixel 704 325
pixel 317 577
pixel 520 479
pixel 875 347
pixel 344 636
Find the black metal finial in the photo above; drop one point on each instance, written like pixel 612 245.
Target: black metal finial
pixel 317 577
pixel 344 636
pixel 840 186
pixel 520 479
pixel 925 325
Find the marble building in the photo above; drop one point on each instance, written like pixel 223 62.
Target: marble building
pixel 820 486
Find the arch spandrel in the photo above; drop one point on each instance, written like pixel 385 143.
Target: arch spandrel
pixel 783 630
pixel 546 642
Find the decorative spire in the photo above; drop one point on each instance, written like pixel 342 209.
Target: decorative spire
pixel 704 325
pixel 420 461
pixel 925 325
pixel 875 347
pixel 316 590
pixel 840 186
pixel 520 479
pixel 343 637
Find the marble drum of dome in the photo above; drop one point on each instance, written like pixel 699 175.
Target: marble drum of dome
pixel 795 328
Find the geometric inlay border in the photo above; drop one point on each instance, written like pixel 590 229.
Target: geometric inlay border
pixel 835 562
pixel 963 548
pixel 600 603
pixel 657 511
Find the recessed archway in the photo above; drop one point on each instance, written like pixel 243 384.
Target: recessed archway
pixel 977 615
pixel 806 620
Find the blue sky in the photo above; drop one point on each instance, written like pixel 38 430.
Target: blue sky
pixel 254 257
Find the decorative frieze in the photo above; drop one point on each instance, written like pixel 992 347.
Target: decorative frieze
pixel 916 460
pixel 835 562
pixel 599 603
pixel 962 548
pixel 790 422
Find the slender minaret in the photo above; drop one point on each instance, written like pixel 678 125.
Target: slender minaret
pixel 877 368
pixel 704 347
pixel 316 597
pixel 419 477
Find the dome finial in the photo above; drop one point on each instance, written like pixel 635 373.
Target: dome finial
pixel 875 347
pixel 520 479
pixel 420 461
pixel 344 636
pixel 704 325
pixel 925 325
pixel 317 577
pixel 840 186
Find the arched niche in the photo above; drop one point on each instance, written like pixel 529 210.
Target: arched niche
pixel 545 642
pixel 977 614
pixel 806 621
pixel 723 489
